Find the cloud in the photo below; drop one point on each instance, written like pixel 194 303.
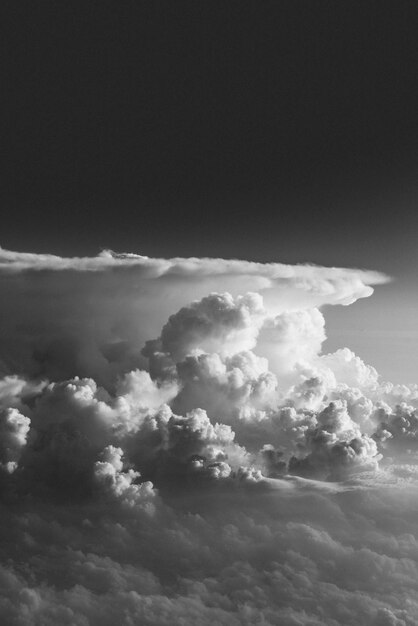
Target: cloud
pixel 14 428
pixel 92 316
pixel 175 448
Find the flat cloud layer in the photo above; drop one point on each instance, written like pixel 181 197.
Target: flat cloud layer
pixel 175 449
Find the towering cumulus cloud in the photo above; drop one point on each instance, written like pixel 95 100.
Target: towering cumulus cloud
pixel 176 449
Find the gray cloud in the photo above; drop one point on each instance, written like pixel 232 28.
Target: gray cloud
pixel 175 448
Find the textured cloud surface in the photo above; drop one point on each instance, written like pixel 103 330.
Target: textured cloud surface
pixel 176 449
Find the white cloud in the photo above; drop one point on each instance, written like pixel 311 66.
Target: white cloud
pixel 91 316
pixel 229 473
pixel 14 428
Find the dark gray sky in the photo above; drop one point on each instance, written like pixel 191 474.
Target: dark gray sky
pixel 273 131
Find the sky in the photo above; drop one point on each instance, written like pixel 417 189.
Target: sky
pixel 281 132
pixel 208 339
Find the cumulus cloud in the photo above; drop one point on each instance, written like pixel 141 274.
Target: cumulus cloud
pixel 14 428
pixel 92 316
pixel 176 449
